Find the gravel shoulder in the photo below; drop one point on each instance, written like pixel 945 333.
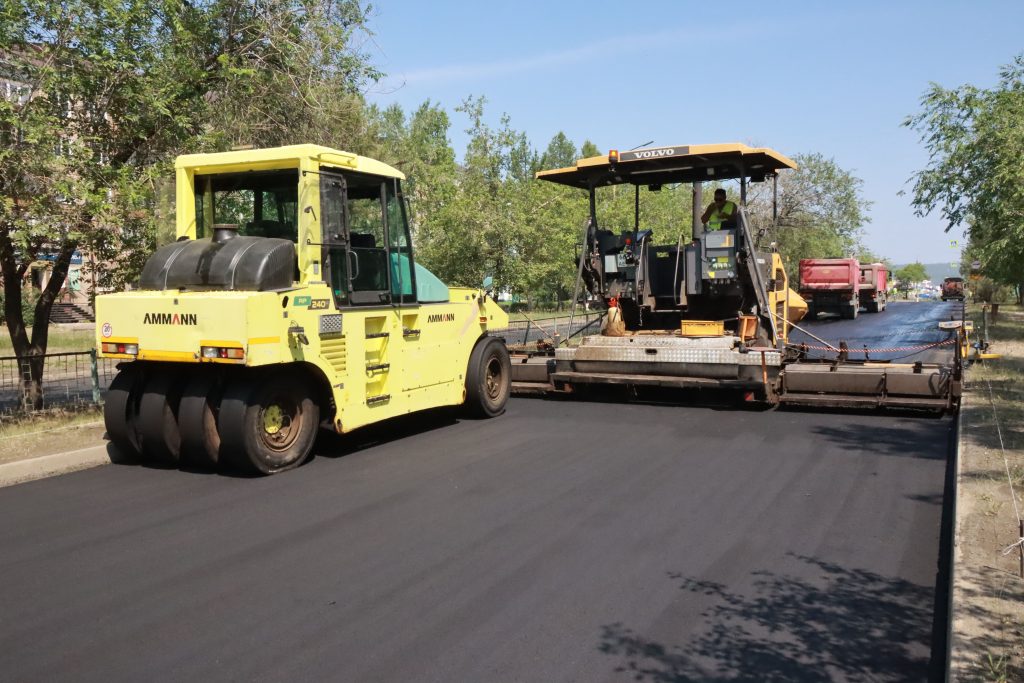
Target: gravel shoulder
pixel 988 591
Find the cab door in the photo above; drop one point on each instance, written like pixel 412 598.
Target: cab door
pixel 356 241
pixel 335 236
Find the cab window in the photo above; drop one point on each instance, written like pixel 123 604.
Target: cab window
pixel 366 237
pixel 261 204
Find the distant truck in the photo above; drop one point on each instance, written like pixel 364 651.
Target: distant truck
pixel 873 285
pixel 953 288
pixel 830 285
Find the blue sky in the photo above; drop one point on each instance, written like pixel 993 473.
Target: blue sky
pixel 834 78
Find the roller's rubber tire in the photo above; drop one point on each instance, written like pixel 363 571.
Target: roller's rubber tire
pixel 158 416
pixel 488 379
pixel 268 420
pixel 197 420
pixel 121 411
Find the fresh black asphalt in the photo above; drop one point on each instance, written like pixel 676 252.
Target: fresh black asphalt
pixel 562 541
pixel 903 324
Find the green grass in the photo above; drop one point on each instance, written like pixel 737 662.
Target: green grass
pixel 1008 325
pixel 60 340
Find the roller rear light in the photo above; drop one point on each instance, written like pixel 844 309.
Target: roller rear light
pixel 117 347
pixel 222 352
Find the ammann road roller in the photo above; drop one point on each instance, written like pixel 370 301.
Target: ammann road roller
pixel 291 300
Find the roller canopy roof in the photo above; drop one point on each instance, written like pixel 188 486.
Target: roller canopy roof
pixel 288 156
pixel 682 164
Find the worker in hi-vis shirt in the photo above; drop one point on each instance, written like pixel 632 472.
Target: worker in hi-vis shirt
pixel 721 213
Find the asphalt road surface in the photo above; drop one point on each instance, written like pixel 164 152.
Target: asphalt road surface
pixel 562 541
pixel 901 324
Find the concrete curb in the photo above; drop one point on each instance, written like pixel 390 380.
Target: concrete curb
pixel 954 548
pixel 21 471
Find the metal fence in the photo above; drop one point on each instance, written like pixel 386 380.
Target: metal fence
pixel 68 379
pixel 522 332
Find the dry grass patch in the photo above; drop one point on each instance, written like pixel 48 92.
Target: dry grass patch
pixel 59 340
pixel 50 432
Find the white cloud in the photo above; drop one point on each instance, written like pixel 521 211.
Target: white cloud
pixel 625 47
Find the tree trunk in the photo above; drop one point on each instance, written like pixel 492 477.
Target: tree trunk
pixel 31 353
pixel 31 368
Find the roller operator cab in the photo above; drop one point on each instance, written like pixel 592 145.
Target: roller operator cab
pixel 291 299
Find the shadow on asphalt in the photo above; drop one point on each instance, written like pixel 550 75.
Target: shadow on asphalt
pixel 929 498
pixel 333 445
pixel 713 399
pixel 328 444
pixel 828 623
pixel 124 460
pixel 908 439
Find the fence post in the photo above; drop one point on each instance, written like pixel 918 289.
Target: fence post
pixel 95 376
pixel 984 323
pixel 526 336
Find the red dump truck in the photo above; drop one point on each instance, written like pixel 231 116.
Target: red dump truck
pixel 830 285
pixel 874 279
pixel 953 288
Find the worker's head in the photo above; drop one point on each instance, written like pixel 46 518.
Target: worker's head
pixel 719 196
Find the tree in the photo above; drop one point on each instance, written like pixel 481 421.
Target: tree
pixel 911 273
pixel 487 215
pixel 865 255
pixel 589 149
pixel 974 177
pixel 293 72
pixel 821 210
pixel 110 87
pixel 560 153
pixel 419 146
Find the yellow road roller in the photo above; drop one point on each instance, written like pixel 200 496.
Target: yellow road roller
pixel 290 300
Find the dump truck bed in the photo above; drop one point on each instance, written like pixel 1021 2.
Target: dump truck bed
pixel 829 274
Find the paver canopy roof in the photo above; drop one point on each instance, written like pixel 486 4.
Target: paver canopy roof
pixel 681 164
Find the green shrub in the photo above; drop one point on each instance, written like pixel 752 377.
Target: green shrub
pixel 987 291
pixel 29 297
